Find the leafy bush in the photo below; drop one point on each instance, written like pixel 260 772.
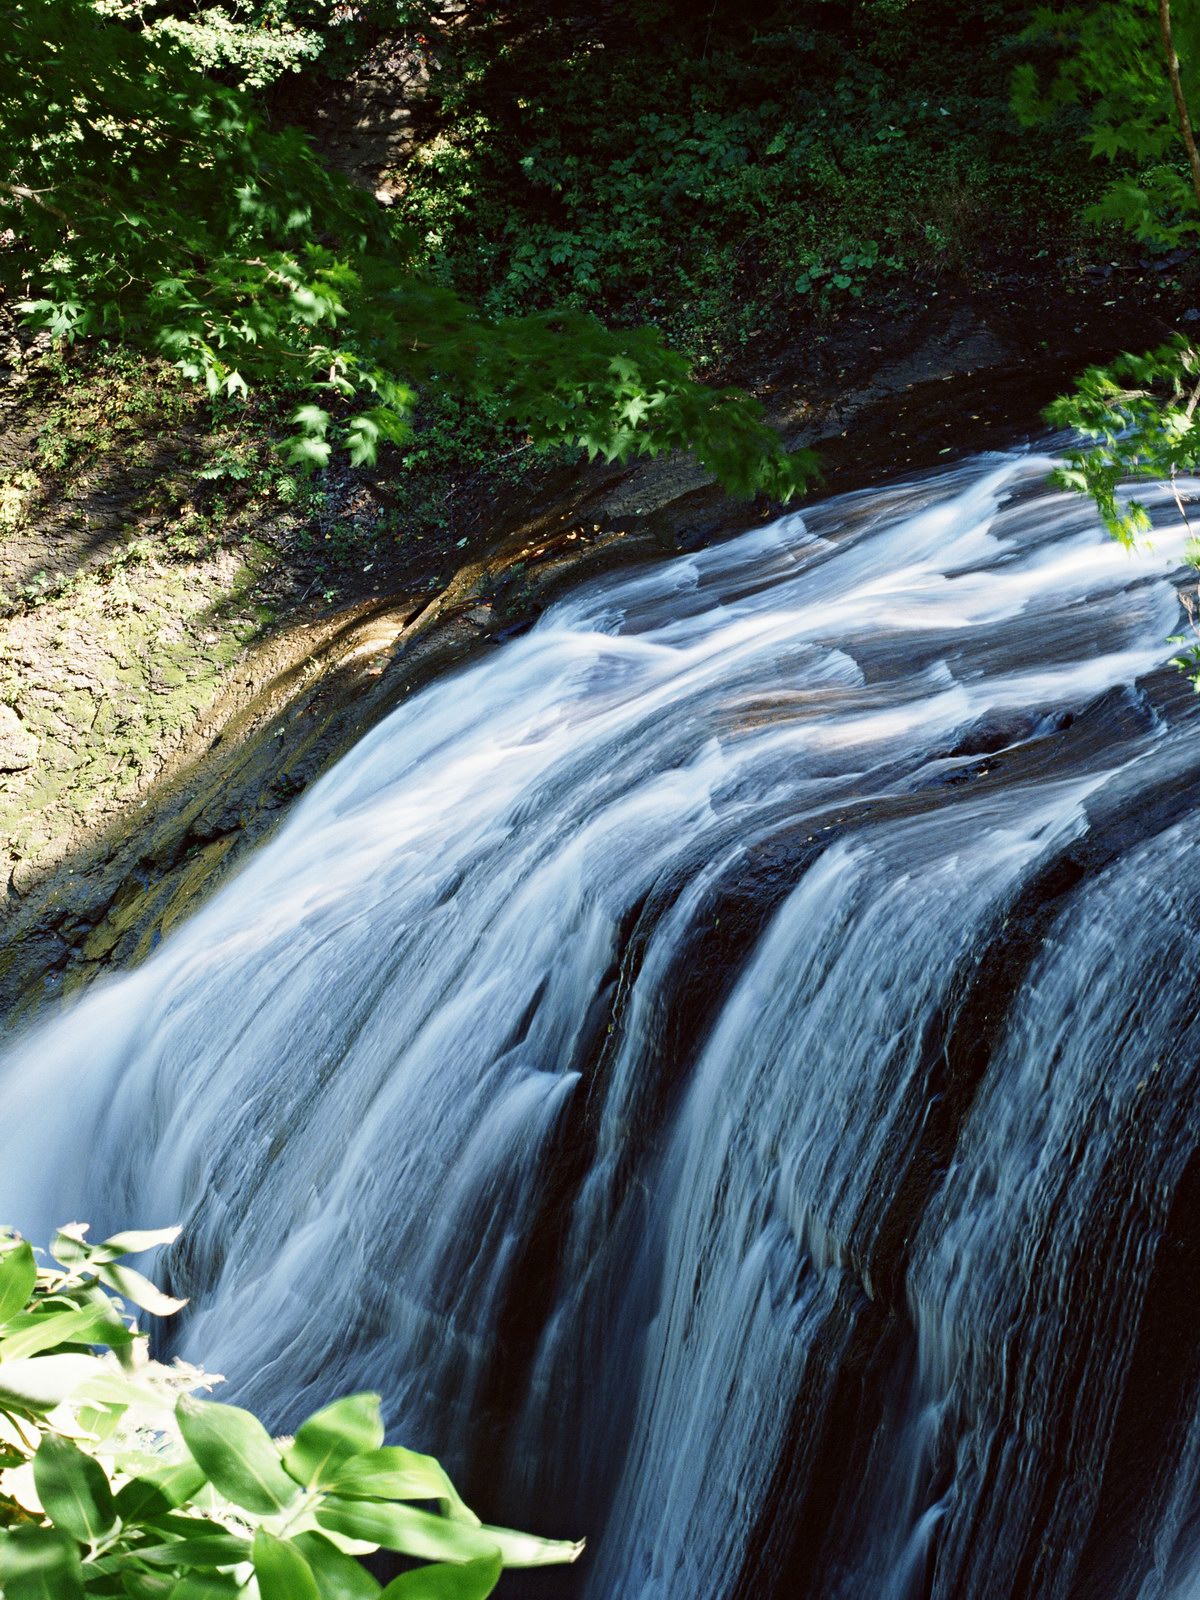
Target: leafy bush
pixel 1111 74
pixel 692 166
pixel 253 50
pixel 151 205
pixel 117 1481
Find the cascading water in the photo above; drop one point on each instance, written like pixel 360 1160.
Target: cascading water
pixel 724 1068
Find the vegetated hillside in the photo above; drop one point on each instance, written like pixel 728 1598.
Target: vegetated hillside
pixel 729 171
pixel 756 180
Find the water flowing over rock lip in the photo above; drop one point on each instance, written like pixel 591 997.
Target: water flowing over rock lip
pixel 107 892
pixel 708 1069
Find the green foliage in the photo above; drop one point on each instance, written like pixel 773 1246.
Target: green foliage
pixel 116 1480
pixel 251 44
pixel 1139 416
pixel 1111 75
pixel 1099 73
pixel 719 171
pixel 149 204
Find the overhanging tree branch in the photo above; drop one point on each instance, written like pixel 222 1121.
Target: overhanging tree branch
pixel 1181 106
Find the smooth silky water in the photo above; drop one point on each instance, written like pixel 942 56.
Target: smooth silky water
pixel 724 1067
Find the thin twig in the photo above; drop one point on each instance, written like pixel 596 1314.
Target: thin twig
pixel 1181 107
pixel 1175 491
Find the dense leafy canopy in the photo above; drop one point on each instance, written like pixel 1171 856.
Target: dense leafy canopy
pixel 149 203
pixel 116 1480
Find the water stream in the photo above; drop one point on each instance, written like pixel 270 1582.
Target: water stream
pixel 725 1067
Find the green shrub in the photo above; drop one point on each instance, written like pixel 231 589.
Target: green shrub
pixel 116 1480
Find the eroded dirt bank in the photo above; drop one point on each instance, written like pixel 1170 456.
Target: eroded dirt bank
pixel 164 700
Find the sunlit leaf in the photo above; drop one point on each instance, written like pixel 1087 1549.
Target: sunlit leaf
pixel 434 1538
pixel 133 1286
pixel 281 1570
pixel 339 1576
pixel 133 1241
pixel 155 1491
pixel 18 1274
pixel 472 1580
pixel 237 1453
pixel 43 1381
pixel 392 1473
pixel 331 1436
pixel 94 1324
pixel 206 1550
pixel 74 1490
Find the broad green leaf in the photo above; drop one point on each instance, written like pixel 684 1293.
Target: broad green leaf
pixel 43 1381
pixel 18 1274
pixel 133 1242
pixel 133 1286
pixel 74 1490
pixel 39 1564
pixel 207 1586
pixel 468 1580
pixel 339 1576
pixel 153 1492
pixel 396 1474
pixel 195 1586
pixel 282 1572
pixel 303 451
pixel 110 1388
pixel 332 1436
pixel 313 419
pixel 70 1244
pixel 432 1538
pixel 149 1586
pixel 89 1325
pixel 206 1550
pixel 237 1453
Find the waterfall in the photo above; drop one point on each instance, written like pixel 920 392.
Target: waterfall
pixel 724 1067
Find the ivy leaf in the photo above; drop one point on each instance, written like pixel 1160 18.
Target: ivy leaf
pixel 312 419
pixel 363 435
pixel 237 1453
pixel 302 451
pixel 74 1490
